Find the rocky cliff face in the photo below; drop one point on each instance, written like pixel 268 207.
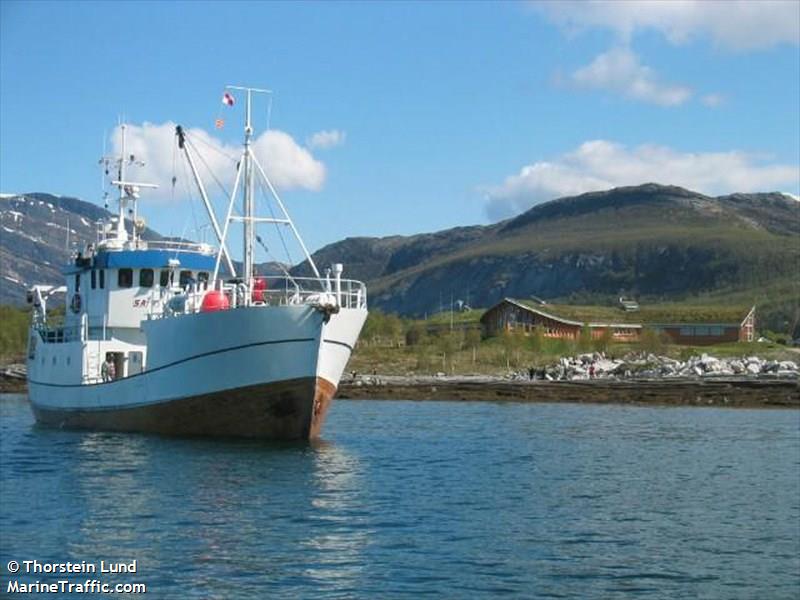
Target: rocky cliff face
pixel 37 234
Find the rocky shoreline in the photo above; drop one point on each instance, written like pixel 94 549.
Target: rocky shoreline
pixel 642 379
pixel 634 366
pixel 741 392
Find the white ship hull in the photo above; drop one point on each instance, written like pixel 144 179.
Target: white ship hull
pixel 155 339
pixel 263 372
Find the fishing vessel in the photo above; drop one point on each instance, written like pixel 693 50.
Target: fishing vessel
pixel 171 337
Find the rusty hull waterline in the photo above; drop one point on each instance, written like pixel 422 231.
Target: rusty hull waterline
pixel 293 409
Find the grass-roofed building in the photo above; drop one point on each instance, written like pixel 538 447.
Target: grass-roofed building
pixel 699 325
pixel 558 320
pixel 683 324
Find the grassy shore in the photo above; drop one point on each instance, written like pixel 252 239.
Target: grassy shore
pixel 497 356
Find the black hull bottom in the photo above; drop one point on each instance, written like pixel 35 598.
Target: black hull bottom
pixel 286 410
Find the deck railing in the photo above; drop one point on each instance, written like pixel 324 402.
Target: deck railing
pixel 279 291
pixel 106 236
pixel 176 246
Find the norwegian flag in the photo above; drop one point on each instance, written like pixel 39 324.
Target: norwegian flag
pixel 227 99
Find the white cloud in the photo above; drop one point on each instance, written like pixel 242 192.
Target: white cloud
pixel 713 100
pixel 327 139
pixel 288 165
pixel 736 25
pixel 620 70
pixel 600 164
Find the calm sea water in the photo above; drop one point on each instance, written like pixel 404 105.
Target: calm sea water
pixel 405 499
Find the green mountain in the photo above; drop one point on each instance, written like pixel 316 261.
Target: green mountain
pixel 656 243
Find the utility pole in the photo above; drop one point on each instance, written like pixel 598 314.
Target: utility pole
pixel 451 310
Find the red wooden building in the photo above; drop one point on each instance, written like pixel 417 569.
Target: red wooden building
pixel 738 327
pixel 510 314
pixel 682 324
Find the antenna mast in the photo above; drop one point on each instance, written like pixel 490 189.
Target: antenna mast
pixel 128 190
pixel 122 234
pixel 249 230
pixel 247 170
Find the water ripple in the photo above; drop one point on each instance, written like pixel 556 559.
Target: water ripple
pixel 425 499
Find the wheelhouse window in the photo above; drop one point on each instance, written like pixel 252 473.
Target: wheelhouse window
pixel 102 279
pixel 164 278
pixel 125 278
pixel 146 278
pixel 94 279
pixel 186 277
pixel 77 282
pixel 202 276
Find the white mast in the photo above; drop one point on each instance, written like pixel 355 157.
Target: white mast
pixel 249 230
pixel 122 234
pixel 248 168
pixel 128 190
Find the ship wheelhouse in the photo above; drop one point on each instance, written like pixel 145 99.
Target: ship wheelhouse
pixel 119 288
pixel 109 293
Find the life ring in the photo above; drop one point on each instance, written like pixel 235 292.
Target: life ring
pixel 75 304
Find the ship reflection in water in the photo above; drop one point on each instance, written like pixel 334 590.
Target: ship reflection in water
pixel 213 500
pixel 405 498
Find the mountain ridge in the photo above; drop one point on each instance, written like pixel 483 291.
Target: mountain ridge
pixel 650 241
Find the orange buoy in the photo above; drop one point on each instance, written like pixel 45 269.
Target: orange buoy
pixel 215 300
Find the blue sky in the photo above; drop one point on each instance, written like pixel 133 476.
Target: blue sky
pixel 428 115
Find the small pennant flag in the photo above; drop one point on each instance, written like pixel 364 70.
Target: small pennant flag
pixel 227 99
pixel 219 123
